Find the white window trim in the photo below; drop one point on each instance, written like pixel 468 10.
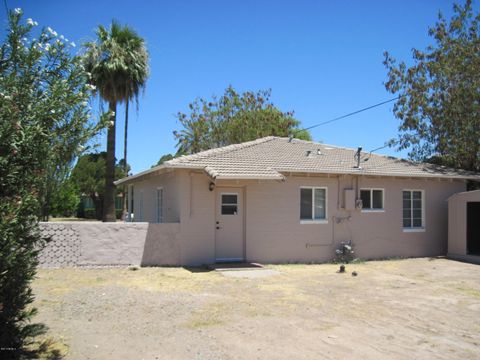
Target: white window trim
pixel 370 210
pixel 315 221
pixel 157 213
pixel 424 220
pixel 221 203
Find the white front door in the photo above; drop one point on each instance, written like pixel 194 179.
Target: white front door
pixel 229 244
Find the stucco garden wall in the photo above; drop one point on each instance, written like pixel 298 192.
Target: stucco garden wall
pixel 457 225
pixel 109 244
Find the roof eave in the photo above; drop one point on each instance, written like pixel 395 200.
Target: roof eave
pixel 156 169
pixel 249 177
pixel 385 174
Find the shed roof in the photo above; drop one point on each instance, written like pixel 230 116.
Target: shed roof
pixel 274 157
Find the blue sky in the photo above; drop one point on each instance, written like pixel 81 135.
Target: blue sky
pixel 321 59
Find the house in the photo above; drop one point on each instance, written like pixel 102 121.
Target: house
pixel 288 200
pixel 464 227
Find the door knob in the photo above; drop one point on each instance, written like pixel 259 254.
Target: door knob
pixel 218 227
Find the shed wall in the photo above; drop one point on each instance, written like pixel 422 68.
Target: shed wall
pixel 457 222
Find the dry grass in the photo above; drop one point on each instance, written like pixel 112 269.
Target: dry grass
pixel 395 309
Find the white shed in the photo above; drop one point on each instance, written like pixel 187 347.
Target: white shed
pixel 464 226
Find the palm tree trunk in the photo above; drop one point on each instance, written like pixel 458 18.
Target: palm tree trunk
pixel 125 165
pixel 109 200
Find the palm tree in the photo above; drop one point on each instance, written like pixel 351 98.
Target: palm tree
pixel 118 64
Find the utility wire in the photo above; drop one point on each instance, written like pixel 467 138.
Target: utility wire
pixel 347 115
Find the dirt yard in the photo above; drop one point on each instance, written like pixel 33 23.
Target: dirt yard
pixel 399 309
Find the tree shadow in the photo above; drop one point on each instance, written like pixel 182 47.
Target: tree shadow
pixel 45 348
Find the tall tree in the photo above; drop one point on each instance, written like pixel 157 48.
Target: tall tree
pixel 233 118
pixel 138 78
pixel 439 103
pixel 44 120
pixel 117 62
pixel 88 175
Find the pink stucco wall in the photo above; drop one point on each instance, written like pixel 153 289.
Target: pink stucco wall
pixel 109 244
pixel 457 223
pixel 273 232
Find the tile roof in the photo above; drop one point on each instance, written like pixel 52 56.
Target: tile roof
pixel 273 157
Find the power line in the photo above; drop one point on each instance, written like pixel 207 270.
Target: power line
pixel 347 115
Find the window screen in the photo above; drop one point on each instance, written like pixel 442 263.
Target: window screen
pixel 313 204
pixel 412 209
pixel 319 203
pixel 372 199
pixel 229 204
pixel 306 204
pixel 365 196
pixel 377 199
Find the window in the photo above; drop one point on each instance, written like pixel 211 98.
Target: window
pixel 229 204
pixel 413 214
pixel 159 205
pixel 140 207
pixel 313 204
pixel 372 199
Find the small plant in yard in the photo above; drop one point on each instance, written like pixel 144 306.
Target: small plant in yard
pixel 344 253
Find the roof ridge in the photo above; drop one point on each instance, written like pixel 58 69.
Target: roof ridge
pixel 220 150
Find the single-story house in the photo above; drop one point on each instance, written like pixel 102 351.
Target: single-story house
pixel 464 226
pixel 287 200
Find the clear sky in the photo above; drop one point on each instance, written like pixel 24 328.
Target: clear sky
pixel 322 59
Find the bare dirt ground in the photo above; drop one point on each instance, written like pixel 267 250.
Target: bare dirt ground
pixel 397 309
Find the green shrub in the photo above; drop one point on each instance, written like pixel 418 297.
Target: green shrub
pixel 43 121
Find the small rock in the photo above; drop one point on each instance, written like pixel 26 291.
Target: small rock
pixel 354 273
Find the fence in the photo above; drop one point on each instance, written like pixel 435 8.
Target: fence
pixel 109 244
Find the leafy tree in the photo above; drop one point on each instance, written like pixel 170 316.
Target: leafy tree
pixel 88 175
pixel 65 199
pixel 118 66
pixel 233 118
pixel 164 158
pixel 439 103
pixel 44 119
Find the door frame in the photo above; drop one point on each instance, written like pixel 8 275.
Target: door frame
pixel 225 189
pixel 471 244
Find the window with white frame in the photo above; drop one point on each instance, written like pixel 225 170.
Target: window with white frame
pixel 159 205
pixel 413 209
pixel 313 204
pixel 372 199
pixel 229 204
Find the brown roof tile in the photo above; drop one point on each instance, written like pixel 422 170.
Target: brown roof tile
pixel 273 157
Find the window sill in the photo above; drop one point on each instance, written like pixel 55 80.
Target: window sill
pixel 373 211
pixel 314 221
pixel 413 230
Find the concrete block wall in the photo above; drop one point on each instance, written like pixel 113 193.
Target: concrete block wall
pixel 63 250
pixel 109 244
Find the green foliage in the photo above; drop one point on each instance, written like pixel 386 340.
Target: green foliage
pixel 88 175
pixel 231 119
pixel 164 158
pixel 43 121
pixel 65 200
pixel 439 104
pixel 117 62
pixel 118 67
